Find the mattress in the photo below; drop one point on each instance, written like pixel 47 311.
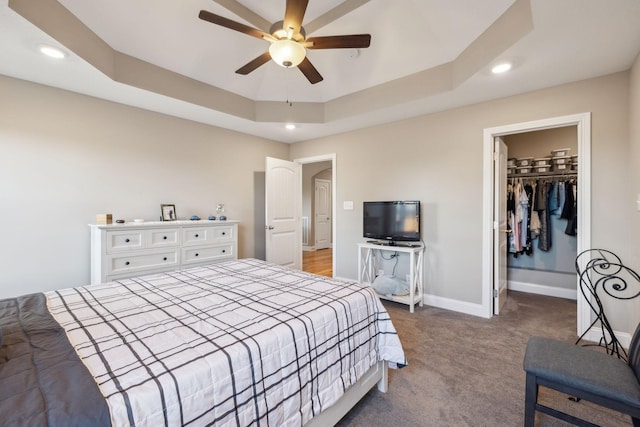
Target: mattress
pixel 237 343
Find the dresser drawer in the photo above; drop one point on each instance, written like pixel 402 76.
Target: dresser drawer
pixel 162 237
pixel 118 241
pixel 210 254
pixel 223 234
pixel 195 236
pixel 133 262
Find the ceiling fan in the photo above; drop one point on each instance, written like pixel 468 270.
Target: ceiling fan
pixel 289 41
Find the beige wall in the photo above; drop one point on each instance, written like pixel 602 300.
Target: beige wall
pixel 634 160
pixel 65 157
pixel 437 159
pixel 634 167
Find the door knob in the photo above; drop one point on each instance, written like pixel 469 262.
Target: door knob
pixel 268 227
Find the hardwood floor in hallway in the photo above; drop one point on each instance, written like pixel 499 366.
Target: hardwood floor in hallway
pixel 318 262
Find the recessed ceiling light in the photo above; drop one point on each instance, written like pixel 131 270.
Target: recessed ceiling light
pixel 290 126
pixel 501 68
pixel 52 52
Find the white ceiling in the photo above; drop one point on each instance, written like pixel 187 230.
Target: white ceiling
pixel 425 56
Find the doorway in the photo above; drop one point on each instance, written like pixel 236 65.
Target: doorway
pixel 583 125
pixel 542 260
pixel 318 214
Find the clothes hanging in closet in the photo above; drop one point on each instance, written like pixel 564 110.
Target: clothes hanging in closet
pixel 531 204
pixel 570 208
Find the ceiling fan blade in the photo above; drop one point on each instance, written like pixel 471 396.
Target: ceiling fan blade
pixel 252 65
pixel 358 41
pixel 334 14
pixel 244 12
pixel 233 25
pixel 293 15
pixel 310 71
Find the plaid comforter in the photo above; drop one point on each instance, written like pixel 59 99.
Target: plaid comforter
pixel 238 343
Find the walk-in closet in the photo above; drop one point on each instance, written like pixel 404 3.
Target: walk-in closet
pixel 542 215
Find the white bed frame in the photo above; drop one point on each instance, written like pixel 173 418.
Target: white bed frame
pixel 378 374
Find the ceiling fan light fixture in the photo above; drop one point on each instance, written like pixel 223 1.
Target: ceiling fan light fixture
pixel 287 53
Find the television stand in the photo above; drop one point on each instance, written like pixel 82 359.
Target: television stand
pixel 367 269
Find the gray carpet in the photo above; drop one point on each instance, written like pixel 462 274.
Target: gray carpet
pixel 467 371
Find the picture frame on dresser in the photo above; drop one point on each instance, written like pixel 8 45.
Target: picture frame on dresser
pixel 168 212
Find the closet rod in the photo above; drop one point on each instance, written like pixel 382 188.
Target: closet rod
pixel 544 175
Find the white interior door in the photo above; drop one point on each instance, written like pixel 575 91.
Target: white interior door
pixel 322 218
pixel 283 189
pixel 500 225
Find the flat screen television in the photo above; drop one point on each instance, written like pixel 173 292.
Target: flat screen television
pixel 392 221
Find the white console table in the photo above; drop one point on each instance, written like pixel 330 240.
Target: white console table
pixel 367 270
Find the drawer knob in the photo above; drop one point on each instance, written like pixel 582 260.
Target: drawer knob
pixel 127 240
pixel 164 259
pixel 223 233
pixel 197 235
pixel 223 251
pixel 126 263
pixel 165 237
pixel 197 254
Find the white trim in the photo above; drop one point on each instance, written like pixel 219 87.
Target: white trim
pixel 334 182
pixel 454 305
pixel 583 123
pixel 534 288
pixel 595 333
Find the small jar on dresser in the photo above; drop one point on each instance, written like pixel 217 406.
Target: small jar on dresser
pixel 126 250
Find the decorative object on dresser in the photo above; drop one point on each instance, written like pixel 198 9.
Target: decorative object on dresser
pixel 104 219
pixel 127 250
pixel 220 211
pixel 168 212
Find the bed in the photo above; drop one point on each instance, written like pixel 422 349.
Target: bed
pixel 238 343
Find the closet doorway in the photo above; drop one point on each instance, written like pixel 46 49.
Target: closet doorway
pixel 541 259
pixel 491 274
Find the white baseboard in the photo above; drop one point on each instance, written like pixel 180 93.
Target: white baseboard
pixel 551 291
pixel 595 333
pixel 455 305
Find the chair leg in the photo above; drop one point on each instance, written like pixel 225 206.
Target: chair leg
pixel 530 400
pixel 636 422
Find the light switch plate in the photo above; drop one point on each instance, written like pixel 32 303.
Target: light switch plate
pixel 347 205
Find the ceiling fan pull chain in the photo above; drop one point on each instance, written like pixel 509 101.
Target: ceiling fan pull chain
pixel 286 88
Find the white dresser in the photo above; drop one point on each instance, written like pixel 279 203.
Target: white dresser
pixel 135 249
